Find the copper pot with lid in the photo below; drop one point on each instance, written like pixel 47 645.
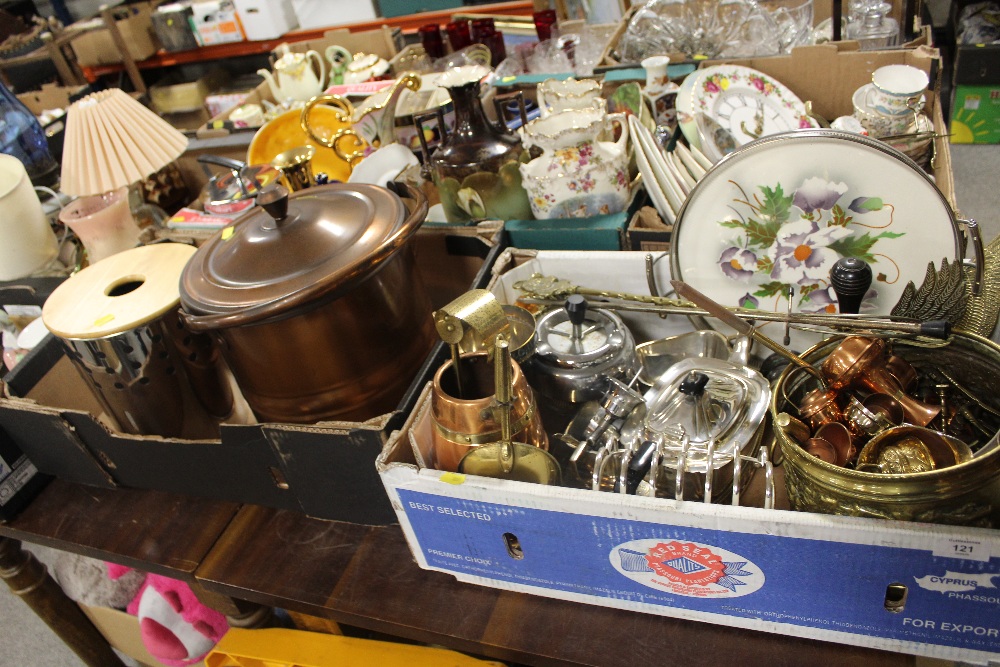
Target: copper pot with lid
pixel 317 301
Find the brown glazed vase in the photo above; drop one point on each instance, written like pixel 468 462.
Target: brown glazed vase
pixel 475 168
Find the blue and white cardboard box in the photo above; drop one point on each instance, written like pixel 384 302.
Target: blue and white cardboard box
pixel 913 588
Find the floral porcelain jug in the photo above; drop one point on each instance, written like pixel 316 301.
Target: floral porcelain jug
pixel 476 165
pixel 578 174
pixel 294 78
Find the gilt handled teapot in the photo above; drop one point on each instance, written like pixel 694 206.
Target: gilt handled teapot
pixel 294 78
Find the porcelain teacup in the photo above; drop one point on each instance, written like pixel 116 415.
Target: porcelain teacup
pixel 248 115
pixel 365 67
pixel 896 89
pixel 878 123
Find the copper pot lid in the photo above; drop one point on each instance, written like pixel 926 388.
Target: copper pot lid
pixel 294 249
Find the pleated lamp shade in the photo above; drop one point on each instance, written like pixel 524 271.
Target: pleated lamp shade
pixel 112 141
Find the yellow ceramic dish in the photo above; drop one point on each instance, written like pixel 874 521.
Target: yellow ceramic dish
pixel 284 133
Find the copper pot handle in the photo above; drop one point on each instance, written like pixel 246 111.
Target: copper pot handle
pixel 199 323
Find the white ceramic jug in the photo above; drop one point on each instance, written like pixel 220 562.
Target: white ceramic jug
pixel 27 242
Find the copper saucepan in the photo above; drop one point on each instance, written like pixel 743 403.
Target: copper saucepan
pixel 317 301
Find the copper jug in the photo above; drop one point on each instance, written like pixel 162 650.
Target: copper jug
pixel 463 423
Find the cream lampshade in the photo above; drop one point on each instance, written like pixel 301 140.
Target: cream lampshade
pixel 112 141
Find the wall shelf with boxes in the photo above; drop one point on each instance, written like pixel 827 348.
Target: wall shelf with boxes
pixel 407 24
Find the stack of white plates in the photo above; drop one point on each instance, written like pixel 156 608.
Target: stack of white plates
pixel 668 177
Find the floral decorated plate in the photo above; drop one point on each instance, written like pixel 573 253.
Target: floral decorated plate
pixel 779 212
pixel 746 103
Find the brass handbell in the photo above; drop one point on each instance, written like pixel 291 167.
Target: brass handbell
pixel 861 362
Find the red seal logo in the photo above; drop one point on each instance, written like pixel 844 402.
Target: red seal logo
pixel 686 563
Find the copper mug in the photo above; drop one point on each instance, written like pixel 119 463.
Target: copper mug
pixel 832 443
pixel 463 423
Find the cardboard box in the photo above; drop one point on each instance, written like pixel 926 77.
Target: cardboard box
pixel 266 19
pixel 216 125
pixel 124 634
pixel 828 74
pixel 384 42
pixel 172 25
pixel 324 470
pixel 823 577
pixel 51 96
pixel 647 232
pixel 598 232
pixel 216 22
pixel 172 95
pixel 136 27
pixel 314 14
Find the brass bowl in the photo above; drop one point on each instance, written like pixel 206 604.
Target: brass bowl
pixel 965 494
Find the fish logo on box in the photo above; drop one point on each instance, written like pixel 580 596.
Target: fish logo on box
pixel 690 569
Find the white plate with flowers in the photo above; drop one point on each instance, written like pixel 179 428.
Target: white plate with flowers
pixel 779 212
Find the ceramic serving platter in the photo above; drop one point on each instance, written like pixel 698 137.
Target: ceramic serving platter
pixel 659 167
pixel 680 171
pixel 780 211
pixel 745 103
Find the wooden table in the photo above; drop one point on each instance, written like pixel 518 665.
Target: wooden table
pixel 364 576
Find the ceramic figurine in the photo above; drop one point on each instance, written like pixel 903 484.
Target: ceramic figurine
pixel 660 91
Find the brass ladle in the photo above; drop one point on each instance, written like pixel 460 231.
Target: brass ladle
pixel 506 459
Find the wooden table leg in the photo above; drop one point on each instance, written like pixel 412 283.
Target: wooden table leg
pixel 29 580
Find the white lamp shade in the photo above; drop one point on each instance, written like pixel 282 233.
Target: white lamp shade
pixel 113 141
